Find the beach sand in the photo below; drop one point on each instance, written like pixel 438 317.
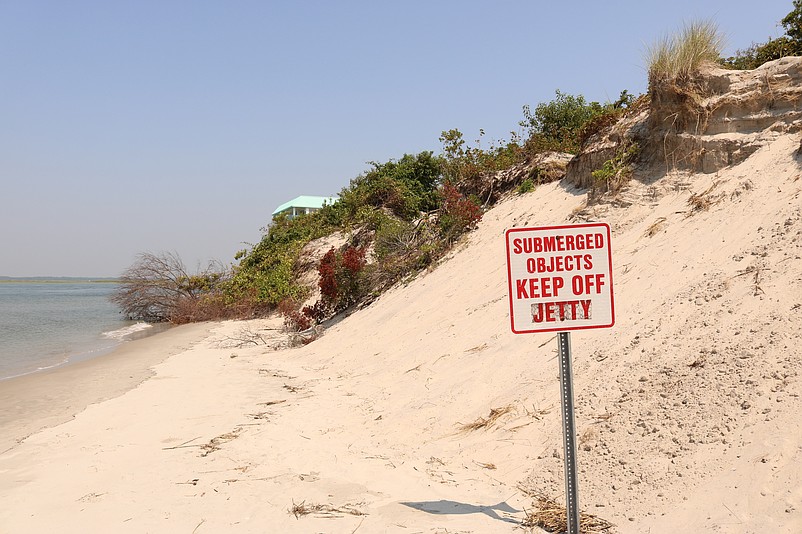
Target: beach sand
pixel 48 398
pixel 423 413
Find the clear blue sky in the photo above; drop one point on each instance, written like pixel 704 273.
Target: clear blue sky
pixel 180 125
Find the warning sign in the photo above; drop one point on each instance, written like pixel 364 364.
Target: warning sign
pixel 560 278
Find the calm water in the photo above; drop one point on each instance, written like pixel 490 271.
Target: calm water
pixel 47 324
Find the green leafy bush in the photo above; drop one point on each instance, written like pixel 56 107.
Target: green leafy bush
pixel 527 186
pixel 464 164
pixel 394 237
pixel 615 172
pixel 405 187
pixel 556 125
pixel 758 54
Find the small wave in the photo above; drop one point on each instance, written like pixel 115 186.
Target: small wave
pixel 52 365
pixel 123 333
pixel 38 369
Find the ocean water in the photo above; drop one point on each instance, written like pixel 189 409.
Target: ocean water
pixel 48 324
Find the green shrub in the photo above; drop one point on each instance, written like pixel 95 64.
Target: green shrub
pixel 394 237
pixel 266 273
pixel 556 125
pixel 527 186
pixel 466 165
pixel 615 172
pixel 405 187
pixel 792 23
pixel 758 54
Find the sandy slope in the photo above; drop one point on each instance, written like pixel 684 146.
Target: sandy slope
pixel 689 412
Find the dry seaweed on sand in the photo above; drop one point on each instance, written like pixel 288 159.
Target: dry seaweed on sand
pixel 703 201
pixel 655 227
pixel 215 443
pixel 486 422
pixel 323 510
pixel 552 517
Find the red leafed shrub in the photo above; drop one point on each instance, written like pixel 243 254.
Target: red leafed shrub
pixel 457 213
pixel 294 320
pixel 341 282
pixel 317 312
pixel 349 276
pixel 327 269
pixel 354 260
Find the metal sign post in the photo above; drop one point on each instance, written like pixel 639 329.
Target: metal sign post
pixel 560 278
pixel 569 432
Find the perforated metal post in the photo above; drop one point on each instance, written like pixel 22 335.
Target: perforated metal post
pixel 569 432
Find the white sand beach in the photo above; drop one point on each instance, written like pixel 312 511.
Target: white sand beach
pixel 688 411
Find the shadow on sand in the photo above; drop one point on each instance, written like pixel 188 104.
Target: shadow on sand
pixel 452 507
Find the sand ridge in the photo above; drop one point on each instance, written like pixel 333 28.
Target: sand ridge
pixel 424 413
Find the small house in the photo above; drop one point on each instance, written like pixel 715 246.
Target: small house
pixel 302 205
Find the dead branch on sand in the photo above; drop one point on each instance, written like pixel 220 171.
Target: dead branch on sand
pixel 245 336
pixel 757 270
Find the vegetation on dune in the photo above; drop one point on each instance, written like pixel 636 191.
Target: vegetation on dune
pixel 563 123
pixel 789 44
pixel 676 58
pixel 401 216
pixel 615 172
pixel 158 287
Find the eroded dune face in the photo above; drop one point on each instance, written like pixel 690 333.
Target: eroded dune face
pixel 715 120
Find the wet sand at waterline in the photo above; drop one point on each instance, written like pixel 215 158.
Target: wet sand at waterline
pixel 34 401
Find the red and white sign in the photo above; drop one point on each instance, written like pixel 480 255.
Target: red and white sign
pixel 560 278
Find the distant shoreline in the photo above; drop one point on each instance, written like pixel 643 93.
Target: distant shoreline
pixel 57 280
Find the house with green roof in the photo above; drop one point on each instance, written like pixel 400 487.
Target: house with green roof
pixel 302 205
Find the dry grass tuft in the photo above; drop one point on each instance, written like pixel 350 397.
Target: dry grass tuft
pixel 485 465
pixel 552 517
pixel 655 227
pixel 676 58
pixel 324 510
pixel 487 422
pixel 590 435
pixel 703 201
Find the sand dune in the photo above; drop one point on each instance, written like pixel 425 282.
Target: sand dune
pixel 424 413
